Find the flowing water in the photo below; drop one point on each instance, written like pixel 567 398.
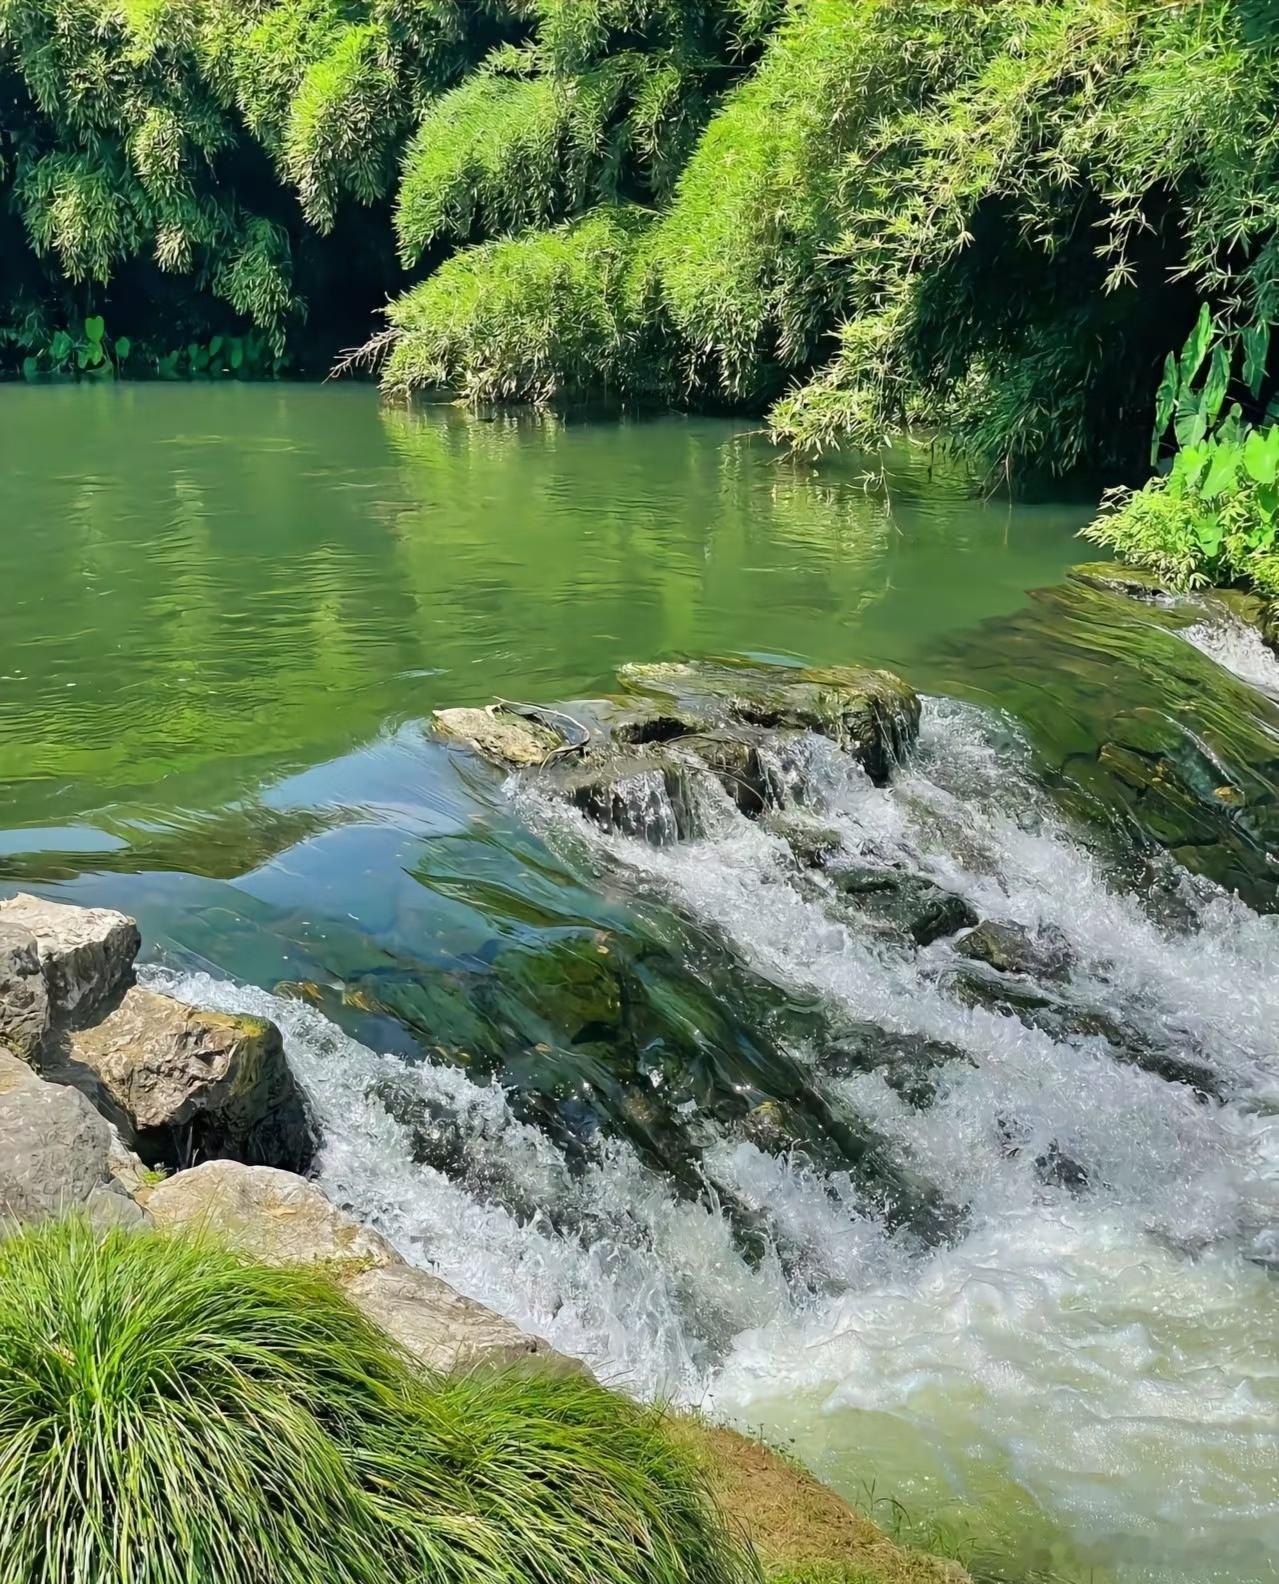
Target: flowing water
pixel 1033 1293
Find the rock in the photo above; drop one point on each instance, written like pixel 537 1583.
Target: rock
pixel 631 795
pixel 910 1064
pixel 813 843
pixel 745 769
pixel 111 1207
pixel 1262 615
pixel 280 1218
pixel 86 953
pixel 769 1128
pixel 436 1323
pixel 54 1147
pixel 1009 948
pixel 1064 1020
pixel 899 903
pixel 1116 577
pixel 499 735
pixel 188 1083
pixel 24 1001
pixel 874 715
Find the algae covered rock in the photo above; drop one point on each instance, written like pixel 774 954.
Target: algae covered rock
pixel 872 714
pixel 189 1083
pixel 1139 729
pixel 86 954
pixel 1117 577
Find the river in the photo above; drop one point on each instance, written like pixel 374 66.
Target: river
pixel 228 612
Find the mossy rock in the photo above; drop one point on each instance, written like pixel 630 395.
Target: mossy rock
pixel 901 904
pixel 1117 577
pixel 804 1532
pixel 872 714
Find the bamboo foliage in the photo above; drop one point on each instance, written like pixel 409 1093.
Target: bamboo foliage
pixel 991 215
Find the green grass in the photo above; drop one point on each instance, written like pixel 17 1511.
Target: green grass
pixel 173 1414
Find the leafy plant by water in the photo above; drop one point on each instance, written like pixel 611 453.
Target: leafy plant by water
pixel 1213 515
pixel 170 1412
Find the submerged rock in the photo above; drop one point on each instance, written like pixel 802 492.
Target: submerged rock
pixel 190 1084
pixel 813 843
pixel 898 903
pixel 24 999
pixel 911 1065
pixel 1066 1020
pixel 86 954
pixel 1141 728
pixel 1009 948
pixel 280 1218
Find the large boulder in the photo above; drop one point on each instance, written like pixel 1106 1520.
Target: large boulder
pixel 56 1153
pixel 86 954
pixel 191 1084
pixel 278 1217
pixel 24 1000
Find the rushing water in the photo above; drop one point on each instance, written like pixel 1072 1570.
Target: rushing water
pixel 228 612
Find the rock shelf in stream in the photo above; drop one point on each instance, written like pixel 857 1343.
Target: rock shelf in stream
pixel 1142 725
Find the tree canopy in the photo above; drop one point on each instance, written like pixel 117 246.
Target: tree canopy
pixel 994 216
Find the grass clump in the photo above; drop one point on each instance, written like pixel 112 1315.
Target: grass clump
pixel 171 1413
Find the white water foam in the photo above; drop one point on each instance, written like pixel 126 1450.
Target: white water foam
pixel 1096 1371
pixel 1238 648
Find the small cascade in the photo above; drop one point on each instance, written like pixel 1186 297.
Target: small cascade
pixel 897 1117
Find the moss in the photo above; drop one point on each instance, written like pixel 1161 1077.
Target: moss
pixel 804 1532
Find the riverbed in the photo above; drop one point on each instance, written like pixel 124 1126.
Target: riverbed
pixel 230 611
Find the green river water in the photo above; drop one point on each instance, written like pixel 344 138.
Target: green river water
pixel 228 612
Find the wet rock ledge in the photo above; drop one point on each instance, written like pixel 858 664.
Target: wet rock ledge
pixel 626 760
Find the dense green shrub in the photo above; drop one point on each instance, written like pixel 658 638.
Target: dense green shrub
pixel 170 1413
pixel 551 316
pixel 1213 515
pixel 993 218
